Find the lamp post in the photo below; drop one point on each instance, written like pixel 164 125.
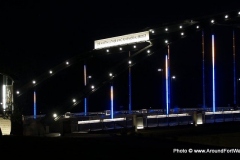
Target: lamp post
pixel 172 78
pixel 111 94
pixel 238 91
pixel 162 88
pixel 130 86
pixel 86 99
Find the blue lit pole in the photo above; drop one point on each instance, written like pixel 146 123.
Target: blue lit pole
pixel 203 72
pixel 85 83
pixel 167 92
pixel 172 78
pixel 34 102
pixel 213 74
pixel 237 91
pixel 162 89
pixel 168 75
pixel 34 105
pixel 234 72
pixel 111 95
pixel 130 86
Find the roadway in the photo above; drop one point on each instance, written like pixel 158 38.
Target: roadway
pixel 148 143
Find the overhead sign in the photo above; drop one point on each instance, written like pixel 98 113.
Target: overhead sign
pixel 122 40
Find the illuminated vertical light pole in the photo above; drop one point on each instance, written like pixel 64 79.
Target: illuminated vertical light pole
pixel 237 91
pixel 167 95
pixel 169 77
pixel 85 83
pixel 172 78
pixel 213 74
pixel 34 102
pixel 203 71
pixel 162 92
pixel 234 73
pixel 129 86
pixel 111 95
pixel 34 105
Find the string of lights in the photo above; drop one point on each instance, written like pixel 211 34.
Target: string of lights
pixel 160 37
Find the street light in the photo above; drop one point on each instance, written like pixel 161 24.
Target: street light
pixel 54 115
pixel 74 101
pixel 172 78
pixel 162 86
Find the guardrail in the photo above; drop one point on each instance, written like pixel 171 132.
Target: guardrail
pixel 144 120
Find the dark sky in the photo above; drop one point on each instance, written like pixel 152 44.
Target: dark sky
pixel 37 36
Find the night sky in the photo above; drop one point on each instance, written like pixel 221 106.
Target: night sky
pixel 37 36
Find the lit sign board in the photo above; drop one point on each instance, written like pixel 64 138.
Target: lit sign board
pixel 122 40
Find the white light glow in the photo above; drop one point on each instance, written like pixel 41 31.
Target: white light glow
pixel 122 40
pixel 54 115
pixel 89 121
pixel 114 119
pixel 151 30
pixel 222 112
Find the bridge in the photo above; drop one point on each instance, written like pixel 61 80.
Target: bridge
pixel 203 32
pixel 126 123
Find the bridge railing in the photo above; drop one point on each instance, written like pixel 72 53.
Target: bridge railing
pixel 144 119
pixel 155 120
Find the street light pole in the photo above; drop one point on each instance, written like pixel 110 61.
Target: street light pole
pixel 130 85
pixel 86 80
pixel 172 78
pixel 162 88
pixel 111 94
pixel 237 91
